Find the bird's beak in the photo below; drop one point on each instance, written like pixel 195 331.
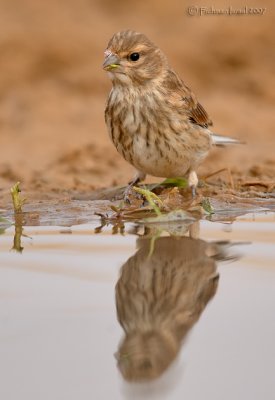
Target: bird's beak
pixel 111 61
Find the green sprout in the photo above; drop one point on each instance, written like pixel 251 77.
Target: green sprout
pixel 176 182
pixel 206 205
pixel 153 241
pixel 152 199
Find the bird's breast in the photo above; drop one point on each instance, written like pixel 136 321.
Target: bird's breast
pixel 150 137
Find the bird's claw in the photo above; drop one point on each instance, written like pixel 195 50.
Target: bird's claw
pixel 126 196
pixel 126 199
pixel 130 192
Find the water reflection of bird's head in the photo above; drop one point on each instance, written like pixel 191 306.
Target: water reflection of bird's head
pixel 159 296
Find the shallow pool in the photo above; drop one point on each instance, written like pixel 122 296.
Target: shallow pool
pixel 85 313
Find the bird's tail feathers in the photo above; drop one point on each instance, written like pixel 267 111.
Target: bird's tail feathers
pixel 220 140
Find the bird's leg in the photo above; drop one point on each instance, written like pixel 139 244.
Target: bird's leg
pixel 140 176
pixel 193 182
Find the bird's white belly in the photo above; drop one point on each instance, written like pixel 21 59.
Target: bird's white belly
pixel 149 160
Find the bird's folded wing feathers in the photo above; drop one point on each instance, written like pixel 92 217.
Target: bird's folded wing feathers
pixel 197 113
pixel 199 116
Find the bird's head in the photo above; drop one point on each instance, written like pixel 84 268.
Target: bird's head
pixel 132 59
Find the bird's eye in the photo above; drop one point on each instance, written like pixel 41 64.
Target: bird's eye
pixel 134 56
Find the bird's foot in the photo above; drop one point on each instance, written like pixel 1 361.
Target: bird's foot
pixel 128 193
pixel 131 194
pixel 140 176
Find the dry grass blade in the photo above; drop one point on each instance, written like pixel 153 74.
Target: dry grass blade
pixel 18 202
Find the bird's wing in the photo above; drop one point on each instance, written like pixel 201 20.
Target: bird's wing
pixel 194 109
pixel 198 115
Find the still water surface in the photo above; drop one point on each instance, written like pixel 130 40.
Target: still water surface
pixel 83 315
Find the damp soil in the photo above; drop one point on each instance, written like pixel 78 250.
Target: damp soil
pixel 53 91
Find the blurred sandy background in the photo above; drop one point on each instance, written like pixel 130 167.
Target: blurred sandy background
pixel 53 90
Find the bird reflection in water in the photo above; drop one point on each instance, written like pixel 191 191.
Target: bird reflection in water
pixel 161 293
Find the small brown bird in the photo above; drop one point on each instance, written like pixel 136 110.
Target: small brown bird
pixel 153 118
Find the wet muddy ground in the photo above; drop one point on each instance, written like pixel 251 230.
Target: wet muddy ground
pixel 53 89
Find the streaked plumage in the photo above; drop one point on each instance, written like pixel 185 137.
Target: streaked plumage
pixel 153 118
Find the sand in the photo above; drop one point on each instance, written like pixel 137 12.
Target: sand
pixel 53 90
